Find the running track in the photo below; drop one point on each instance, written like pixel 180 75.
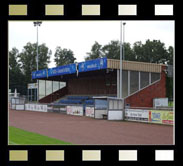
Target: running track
pixel 87 131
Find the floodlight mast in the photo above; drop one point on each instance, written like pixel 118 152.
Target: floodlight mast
pixel 120 78
pixel 37 24
pixel 124 40
pixel 122 57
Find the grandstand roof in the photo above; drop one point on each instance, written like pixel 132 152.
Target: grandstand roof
pixel 100 64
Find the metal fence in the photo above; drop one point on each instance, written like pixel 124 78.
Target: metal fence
pixel 17 103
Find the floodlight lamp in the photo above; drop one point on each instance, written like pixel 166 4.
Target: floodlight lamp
pixel 37 23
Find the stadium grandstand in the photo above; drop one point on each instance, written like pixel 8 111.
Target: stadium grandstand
pixel 78 83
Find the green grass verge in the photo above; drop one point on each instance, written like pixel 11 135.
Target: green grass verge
pixel 170 103
pixel 21 137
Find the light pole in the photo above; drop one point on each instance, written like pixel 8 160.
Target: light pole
pixel 122 25
pixel 120 73
pixel 124 40
pixel 37 24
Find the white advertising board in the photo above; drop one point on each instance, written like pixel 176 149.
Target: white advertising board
pixel 36 107
pixel 160 102
pixel 75 110
pixel 137 114
pixel 115 115
pixel 89 111
pixel 20 107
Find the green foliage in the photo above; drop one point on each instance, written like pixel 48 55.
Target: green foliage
pixel 63 56
pixel 21 137
pixel 152 51
pixel 169 87
pixel 170 103
pixel 170 55
pixel 22 64
pixel 95 52
pixel 112 50
pixel 16 77
pixel 27 59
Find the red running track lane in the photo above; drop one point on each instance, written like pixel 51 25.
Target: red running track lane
pixel 85 131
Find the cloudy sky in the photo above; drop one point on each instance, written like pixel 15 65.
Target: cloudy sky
pixel 79 36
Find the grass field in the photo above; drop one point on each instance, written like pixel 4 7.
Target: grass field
pixel 21 137
pixel 170 103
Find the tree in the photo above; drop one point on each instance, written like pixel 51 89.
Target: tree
pixel 16 77
pixel 110 50
pixel 64 56
pixel 169 80
pixel 27 59
pixel 152 51
pixel 95 52
pixel 170 55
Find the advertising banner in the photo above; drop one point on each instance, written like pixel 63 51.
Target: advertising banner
pixel 36 107
pixel 39 74
pixel 137 114
pixel 20 107
pixel 75 110
pixel 89 111
pixel 91 65
pixel 62 70
pixel 162 117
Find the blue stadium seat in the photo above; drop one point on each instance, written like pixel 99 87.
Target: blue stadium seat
pixel 89 102
pixel 77 97
pixel 66 101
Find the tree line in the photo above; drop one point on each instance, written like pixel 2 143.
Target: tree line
pixel 21 64
pixel 152 51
